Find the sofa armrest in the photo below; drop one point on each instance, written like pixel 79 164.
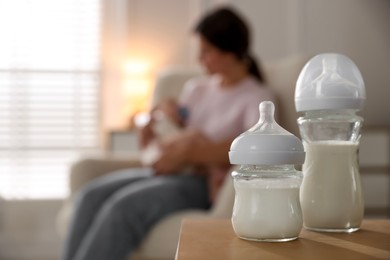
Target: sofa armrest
pixel 85 170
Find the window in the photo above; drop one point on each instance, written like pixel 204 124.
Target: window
pixel 49 92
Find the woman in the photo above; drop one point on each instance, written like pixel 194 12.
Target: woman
pixel 114 213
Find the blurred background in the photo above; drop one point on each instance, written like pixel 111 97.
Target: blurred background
pixel 73 73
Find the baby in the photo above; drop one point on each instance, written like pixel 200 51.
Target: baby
pixel 166 121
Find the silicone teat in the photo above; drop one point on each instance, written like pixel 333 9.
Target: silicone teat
pixel 267 123
pixel 329 63
pixel 267 112
pixel 331 79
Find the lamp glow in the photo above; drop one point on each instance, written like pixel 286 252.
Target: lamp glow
pixel 136 86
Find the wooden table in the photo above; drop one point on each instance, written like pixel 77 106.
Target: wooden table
pixel 215 239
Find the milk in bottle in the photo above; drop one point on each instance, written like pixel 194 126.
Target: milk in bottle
pixel 267 206
pixel 330 90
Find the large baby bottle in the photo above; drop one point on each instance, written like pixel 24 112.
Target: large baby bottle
pixel 330 90
pixel 266 206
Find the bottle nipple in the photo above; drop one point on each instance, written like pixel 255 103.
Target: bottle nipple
pixel 267 123
pixel 329 64
pixel 267 112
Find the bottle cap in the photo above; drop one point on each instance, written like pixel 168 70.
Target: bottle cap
pixel 266 143
pixel 329 81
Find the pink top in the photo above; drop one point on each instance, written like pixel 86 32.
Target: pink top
pixel 222 113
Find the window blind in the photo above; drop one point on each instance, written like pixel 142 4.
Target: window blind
pixel 49 92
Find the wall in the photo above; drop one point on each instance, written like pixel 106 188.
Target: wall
pixel 274 26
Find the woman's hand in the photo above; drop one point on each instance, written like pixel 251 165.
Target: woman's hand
pixel 146 133
pixel 170 108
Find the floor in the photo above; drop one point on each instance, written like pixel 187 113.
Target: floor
pixel 28 230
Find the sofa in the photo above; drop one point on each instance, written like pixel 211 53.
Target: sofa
pixel 161 242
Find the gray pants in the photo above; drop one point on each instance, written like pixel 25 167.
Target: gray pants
pixel 114 213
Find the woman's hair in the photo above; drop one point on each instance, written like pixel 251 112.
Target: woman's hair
pixel 224 29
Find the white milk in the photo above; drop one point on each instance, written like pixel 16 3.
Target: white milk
pixel 266 213
pixel 331 196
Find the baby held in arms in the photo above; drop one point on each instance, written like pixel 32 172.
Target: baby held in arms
pixel 163 130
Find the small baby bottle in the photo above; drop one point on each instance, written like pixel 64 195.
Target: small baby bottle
pixel 330 90
pixel 266 206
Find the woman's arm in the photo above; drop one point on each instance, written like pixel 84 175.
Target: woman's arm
pixel 191 148
pixel 209 153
